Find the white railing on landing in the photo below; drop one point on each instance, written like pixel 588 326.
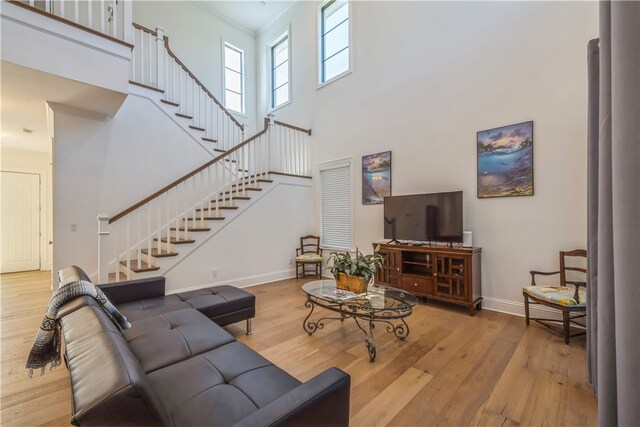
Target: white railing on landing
pixel 109 17
pixel 137 236
pixel 154 65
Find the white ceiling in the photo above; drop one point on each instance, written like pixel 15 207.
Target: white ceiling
pixel 250 14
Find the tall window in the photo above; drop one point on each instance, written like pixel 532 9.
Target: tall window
pixel 336 203
pixel 280 71
pixel 233 78
pixel 334 39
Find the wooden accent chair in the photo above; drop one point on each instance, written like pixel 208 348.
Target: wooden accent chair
pixel 309 254
pixel 570 297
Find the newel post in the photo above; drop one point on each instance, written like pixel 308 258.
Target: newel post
pixel 160 60
pixel 103 248
pixel 271 118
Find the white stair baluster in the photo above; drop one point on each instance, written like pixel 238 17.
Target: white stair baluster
pixel 158 221
pixel 102 18
pixel 89 13
pixel 149 233
pixel 139 239
pixel 117 254
pixel 127 245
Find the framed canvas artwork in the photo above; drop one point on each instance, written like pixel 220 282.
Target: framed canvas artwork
pixel 376 178
pixel 505 161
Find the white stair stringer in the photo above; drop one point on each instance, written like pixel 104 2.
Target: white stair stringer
pixel 170 110
pixel 185 250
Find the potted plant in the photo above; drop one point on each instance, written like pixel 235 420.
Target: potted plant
pixel 354 273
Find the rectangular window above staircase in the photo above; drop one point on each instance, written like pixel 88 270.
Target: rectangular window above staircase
pixel 233 78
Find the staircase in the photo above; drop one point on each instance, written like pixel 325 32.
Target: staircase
pixel 152 235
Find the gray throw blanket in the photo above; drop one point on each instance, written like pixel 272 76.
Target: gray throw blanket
pixel 46 348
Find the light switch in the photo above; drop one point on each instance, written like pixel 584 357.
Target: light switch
pixel 74 227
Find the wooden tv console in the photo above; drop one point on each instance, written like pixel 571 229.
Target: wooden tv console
pixel 435 272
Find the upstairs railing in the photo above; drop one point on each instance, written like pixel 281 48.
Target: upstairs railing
pixel 154 65
pixel 106 17
pixel 137 236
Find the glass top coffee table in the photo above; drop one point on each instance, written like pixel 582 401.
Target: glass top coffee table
pixel 380 304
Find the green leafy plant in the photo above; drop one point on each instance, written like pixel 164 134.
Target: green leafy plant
pixel 360 265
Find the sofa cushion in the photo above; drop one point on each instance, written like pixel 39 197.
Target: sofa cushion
pixel 218 300
pixel 136 310
pixel 168 338
pixel 212 302
pixel 220 387
pixel 108 384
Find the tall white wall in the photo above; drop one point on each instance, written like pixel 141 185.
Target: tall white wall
pixel 196 36
pixel 37 162
pixel 426 77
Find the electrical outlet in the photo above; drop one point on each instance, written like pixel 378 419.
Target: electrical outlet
pixel 290 261
pixel 74 227
pixel 214 272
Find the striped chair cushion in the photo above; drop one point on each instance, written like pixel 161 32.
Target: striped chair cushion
pixel 559 295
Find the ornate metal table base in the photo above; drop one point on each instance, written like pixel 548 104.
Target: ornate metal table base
pixel 400 330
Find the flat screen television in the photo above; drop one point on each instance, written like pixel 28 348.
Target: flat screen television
pixel 434 217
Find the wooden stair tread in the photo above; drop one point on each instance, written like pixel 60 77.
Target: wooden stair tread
pixel 166 101
pixel 214 209
pixel 209 140
pixel 257 180
pixel 161 254
pixel 230 160
pixel 219 150
pixel 206 218
pixel 246 189
pixel 144 266
pixel 235 198
pixel 184 116
pixel 175 241
pixel 197 128
pixel 192 229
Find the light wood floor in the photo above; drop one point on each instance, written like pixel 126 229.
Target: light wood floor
pixel 452 370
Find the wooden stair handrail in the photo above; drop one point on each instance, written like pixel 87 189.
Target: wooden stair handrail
pixel 201 168
pixel 186 69
pixel 287 125
pixel 145 29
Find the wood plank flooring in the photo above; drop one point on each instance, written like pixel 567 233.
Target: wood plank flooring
pixel 453 369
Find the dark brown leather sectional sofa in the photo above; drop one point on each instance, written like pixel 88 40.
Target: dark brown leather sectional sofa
pixel 176 367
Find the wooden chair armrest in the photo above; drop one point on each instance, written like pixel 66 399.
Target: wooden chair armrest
pixel 576 295
pixel 542 273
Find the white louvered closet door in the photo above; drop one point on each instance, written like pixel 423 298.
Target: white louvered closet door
pixel 19 222
pixel 336 205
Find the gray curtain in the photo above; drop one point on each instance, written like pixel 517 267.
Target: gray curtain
pixel 613 338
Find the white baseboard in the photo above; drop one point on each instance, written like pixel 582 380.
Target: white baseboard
pixel 242 282
pixel 516 308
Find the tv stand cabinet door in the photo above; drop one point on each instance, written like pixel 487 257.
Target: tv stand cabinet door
pixel 390 272
pixel 450 279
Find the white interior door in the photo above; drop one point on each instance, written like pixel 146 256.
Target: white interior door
pixel 20 222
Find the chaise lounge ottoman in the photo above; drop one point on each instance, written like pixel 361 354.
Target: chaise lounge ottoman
pixel 142 298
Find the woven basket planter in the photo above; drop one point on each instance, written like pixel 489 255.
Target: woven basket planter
pixel 355 284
